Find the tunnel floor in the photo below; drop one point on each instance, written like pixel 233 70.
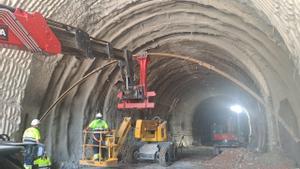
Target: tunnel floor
pixel 188 158
pixel 235 158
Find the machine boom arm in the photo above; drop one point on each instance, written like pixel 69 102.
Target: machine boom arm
pixel 22 28
pixel 33 32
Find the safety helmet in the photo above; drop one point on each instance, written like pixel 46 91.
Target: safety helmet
pixel 98 115
pixel 35 122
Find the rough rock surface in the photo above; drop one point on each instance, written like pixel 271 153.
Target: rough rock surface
pixel 14 73
pixel 260 49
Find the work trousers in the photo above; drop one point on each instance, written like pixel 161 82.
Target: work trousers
pixel 30 152
pixel 96 148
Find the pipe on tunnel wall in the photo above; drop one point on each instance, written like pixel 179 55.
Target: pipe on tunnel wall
pixel 214 69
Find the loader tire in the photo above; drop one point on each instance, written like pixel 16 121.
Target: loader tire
pixel 165 156
pixel 174 152
pixel 131 156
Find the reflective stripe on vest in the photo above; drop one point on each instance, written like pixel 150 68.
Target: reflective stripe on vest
pixel 29 139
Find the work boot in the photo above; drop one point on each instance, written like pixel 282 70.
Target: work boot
pixel 27 166
pixel 96 157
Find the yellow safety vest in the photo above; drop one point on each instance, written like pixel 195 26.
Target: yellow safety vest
pixel 98 124
pixel 32 134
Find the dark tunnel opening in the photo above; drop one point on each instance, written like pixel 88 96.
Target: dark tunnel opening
pixel 214 116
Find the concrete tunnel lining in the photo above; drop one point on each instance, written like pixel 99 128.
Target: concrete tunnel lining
pixel 250 43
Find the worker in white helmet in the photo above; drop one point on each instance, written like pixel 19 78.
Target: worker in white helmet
pixel 98 124
pixel 32 137
pixel 32 134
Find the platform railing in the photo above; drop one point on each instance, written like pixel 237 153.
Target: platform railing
pixel 106 141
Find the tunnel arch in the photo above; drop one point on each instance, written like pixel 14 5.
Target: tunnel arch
pixel 254 52
pixel 249 40
pixel 245 49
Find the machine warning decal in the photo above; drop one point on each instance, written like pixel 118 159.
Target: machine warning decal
pixel 3 32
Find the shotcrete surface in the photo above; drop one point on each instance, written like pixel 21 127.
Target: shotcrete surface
pixel 257 42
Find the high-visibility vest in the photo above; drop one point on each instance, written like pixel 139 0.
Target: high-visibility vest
pixel 43 163
pixel 98 124
pixel 32 134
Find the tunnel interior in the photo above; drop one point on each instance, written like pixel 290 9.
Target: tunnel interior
pixel 236 42
pixel 215 116
pixel 191 106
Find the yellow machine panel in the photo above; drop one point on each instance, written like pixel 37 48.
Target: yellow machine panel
pixel 151 130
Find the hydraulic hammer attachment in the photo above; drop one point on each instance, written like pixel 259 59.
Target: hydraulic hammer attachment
pixel 137 96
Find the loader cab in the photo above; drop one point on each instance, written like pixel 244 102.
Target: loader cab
pixel 151 130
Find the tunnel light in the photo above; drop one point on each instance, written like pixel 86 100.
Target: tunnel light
pixel 237 109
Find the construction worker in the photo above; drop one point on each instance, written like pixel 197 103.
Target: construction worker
pixel 31 137
pixel 98 124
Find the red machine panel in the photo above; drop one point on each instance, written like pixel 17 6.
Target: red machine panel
pixel 27 31
pixel 224 136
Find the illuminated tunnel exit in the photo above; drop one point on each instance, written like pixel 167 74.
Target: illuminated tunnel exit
pixel 218 120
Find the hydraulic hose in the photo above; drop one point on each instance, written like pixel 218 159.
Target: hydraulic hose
pixel 213 68
pixel 74 85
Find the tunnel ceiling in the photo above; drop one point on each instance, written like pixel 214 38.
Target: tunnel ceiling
pixel 234 36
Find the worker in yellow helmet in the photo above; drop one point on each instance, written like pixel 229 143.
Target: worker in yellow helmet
pixel 31 137
pixel 98 124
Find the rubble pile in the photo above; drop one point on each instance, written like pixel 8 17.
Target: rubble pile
pixel 243 159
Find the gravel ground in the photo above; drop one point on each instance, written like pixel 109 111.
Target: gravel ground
pixel 202 158
pixel 243 159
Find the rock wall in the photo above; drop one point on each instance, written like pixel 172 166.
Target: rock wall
pixel 285 16
pixel 15 70
pixel 14 73
pixel 253 41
